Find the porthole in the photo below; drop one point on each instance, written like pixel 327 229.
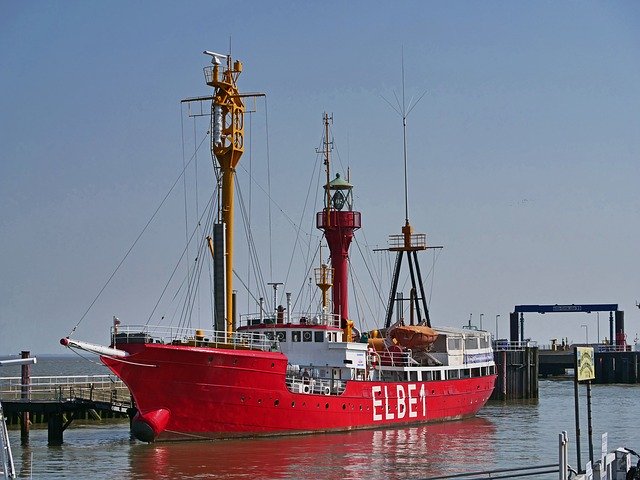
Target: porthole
pixel 276 403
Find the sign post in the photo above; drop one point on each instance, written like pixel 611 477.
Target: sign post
pixel 584 371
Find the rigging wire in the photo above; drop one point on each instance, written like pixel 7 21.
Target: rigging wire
pixel 266 120
pixel 195 276
pixel 253 252
pixel 355 295
pixel 307 273
pixel 135 242
pixel 195 166
pixel 375 285
pixel 250 262
pixel 209 208
pixel 298 230
pixel 272 201
pixel 184 188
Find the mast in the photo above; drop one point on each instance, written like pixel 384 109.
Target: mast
pixel 338 220
pixel 227 145
pixel 408 242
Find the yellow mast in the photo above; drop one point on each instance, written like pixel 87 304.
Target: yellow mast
pixel 227 144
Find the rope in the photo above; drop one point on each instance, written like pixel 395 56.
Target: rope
pixel 184 252
pixel 299 229
pixel 186 214
pixel 134 243
pixel 266 120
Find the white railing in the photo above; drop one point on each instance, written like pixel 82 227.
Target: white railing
pixel 302 319
pixel 502 345
pixel 318 386
pixel 189 336
pixel 613 348
pixel 98 388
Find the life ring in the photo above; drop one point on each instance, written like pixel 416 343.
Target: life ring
pixel 307 336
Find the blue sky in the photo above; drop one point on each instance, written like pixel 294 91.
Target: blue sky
pixel 523 154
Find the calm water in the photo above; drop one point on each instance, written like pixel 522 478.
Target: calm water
pixel 503 435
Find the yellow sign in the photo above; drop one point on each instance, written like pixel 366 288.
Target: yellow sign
pixel 586 367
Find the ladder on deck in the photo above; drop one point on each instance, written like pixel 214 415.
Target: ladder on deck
pixel 8 469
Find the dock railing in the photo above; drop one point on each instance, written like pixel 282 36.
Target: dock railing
pixel 106 389
pixel 507 345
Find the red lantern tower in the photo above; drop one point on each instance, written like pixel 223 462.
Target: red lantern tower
pixel 338 220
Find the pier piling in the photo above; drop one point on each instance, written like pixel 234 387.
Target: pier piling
pixel 24 395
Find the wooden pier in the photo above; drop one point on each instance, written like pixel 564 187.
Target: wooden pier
pixel 60 400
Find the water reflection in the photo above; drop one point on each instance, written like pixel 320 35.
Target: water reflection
pixel 405 452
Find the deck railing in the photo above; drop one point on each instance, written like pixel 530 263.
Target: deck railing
pixel 303 319
pixel 189 336
pixel 318 386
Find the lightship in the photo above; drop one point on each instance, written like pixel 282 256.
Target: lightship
pixel 277 372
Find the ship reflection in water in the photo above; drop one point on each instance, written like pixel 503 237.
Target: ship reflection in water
pixel 416 452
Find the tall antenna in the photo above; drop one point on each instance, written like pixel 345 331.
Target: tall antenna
pixel 404 110
pixel 404 147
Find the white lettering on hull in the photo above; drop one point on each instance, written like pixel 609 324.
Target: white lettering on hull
pixel 408 399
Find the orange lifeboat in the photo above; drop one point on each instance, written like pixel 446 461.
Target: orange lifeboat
pixel 414 336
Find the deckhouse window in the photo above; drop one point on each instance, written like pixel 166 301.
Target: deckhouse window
pixel 454 344
pixel 471 343
pixel 282 336
pixel 306 336
pixel 318 337
pixel 295 336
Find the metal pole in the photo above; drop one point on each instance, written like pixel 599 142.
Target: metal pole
pixel 577 413
pixel 521 327
pixel 589 425
pixel 586 332
pixel 611 337
pixel 497 316
pixel 563 441
pixel 481 315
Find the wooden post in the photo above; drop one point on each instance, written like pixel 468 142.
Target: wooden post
pixel 55 429
pixel 25 394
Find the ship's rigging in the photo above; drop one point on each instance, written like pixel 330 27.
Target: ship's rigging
pixel 180 304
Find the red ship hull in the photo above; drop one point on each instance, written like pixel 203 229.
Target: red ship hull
pixel 184 392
